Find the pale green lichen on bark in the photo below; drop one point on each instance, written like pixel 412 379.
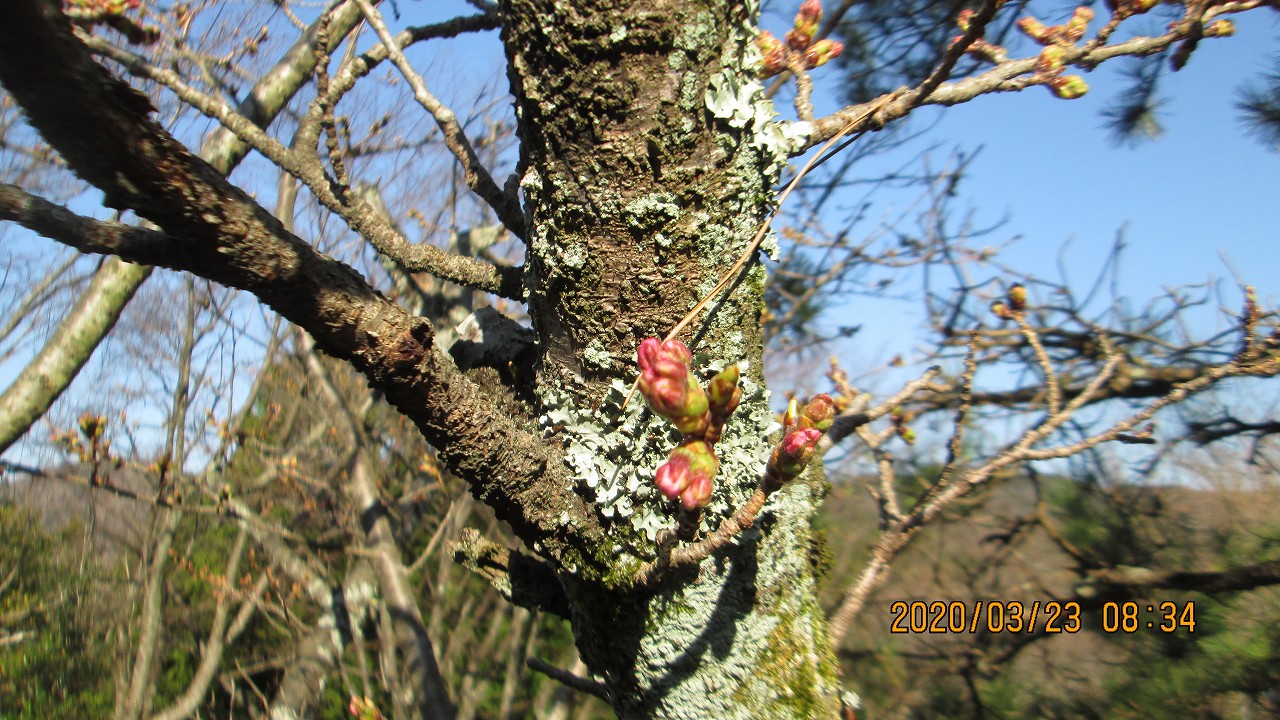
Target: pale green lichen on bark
pixel 613 455
pixel 739 636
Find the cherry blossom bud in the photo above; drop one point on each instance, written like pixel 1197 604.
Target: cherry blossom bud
pixel 1051 59
pixel 773 54
pixel 1037 30
pixel 668 384
pixel 795 451
pixel 822 52
pixel 806 25
pixel 687 473
pixel 1220 28
pixel 821 411
pixel 723 392
pixel 698 492
pixel 962 20
pixel 1068 87
pixel 1078 23
pixel 1017 297
pixel 673 476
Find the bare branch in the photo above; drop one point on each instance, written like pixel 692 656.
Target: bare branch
pixel 478 179
pixel 1006 76
pixel 101 128
pixel 568 679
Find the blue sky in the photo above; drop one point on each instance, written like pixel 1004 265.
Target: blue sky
pixel 1205 186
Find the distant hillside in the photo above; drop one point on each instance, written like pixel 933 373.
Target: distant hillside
pixel 117 522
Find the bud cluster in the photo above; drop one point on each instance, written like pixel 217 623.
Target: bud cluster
pixel 1057 41
pixel 1013 303
pixel 778 55
pixel 801 431
pixel 979 47
pixel 1127 8
pixel 671 391
pixel 688 472
pixel 668 384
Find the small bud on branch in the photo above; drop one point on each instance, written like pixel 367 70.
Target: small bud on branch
pixel 668 385
pixel 688 473
pixel 1068 87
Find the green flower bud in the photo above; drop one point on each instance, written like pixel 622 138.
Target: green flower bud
pixel 1068 87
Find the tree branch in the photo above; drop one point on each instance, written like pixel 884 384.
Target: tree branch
pixel 477 177
pixel 1004 77
pixel 471 272
pixel 101 127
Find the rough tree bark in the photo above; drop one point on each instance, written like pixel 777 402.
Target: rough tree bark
pixel 642 187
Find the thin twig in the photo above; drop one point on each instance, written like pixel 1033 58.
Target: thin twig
pixel 569 680
pixel 650 572
pixel 477 177
pixel 1053 392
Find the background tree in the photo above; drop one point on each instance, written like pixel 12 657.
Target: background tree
pixel 647 161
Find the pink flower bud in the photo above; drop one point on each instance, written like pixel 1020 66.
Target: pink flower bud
pixel 821 410
pixel 668 384
pixel 698 492
pixel 673 476
pixel 822 52
pixel 792 455
pixel 810 10
pixel 963 19
pixel 796 443
pixel 690 469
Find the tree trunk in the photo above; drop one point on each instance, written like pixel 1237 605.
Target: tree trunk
pixel 648 164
